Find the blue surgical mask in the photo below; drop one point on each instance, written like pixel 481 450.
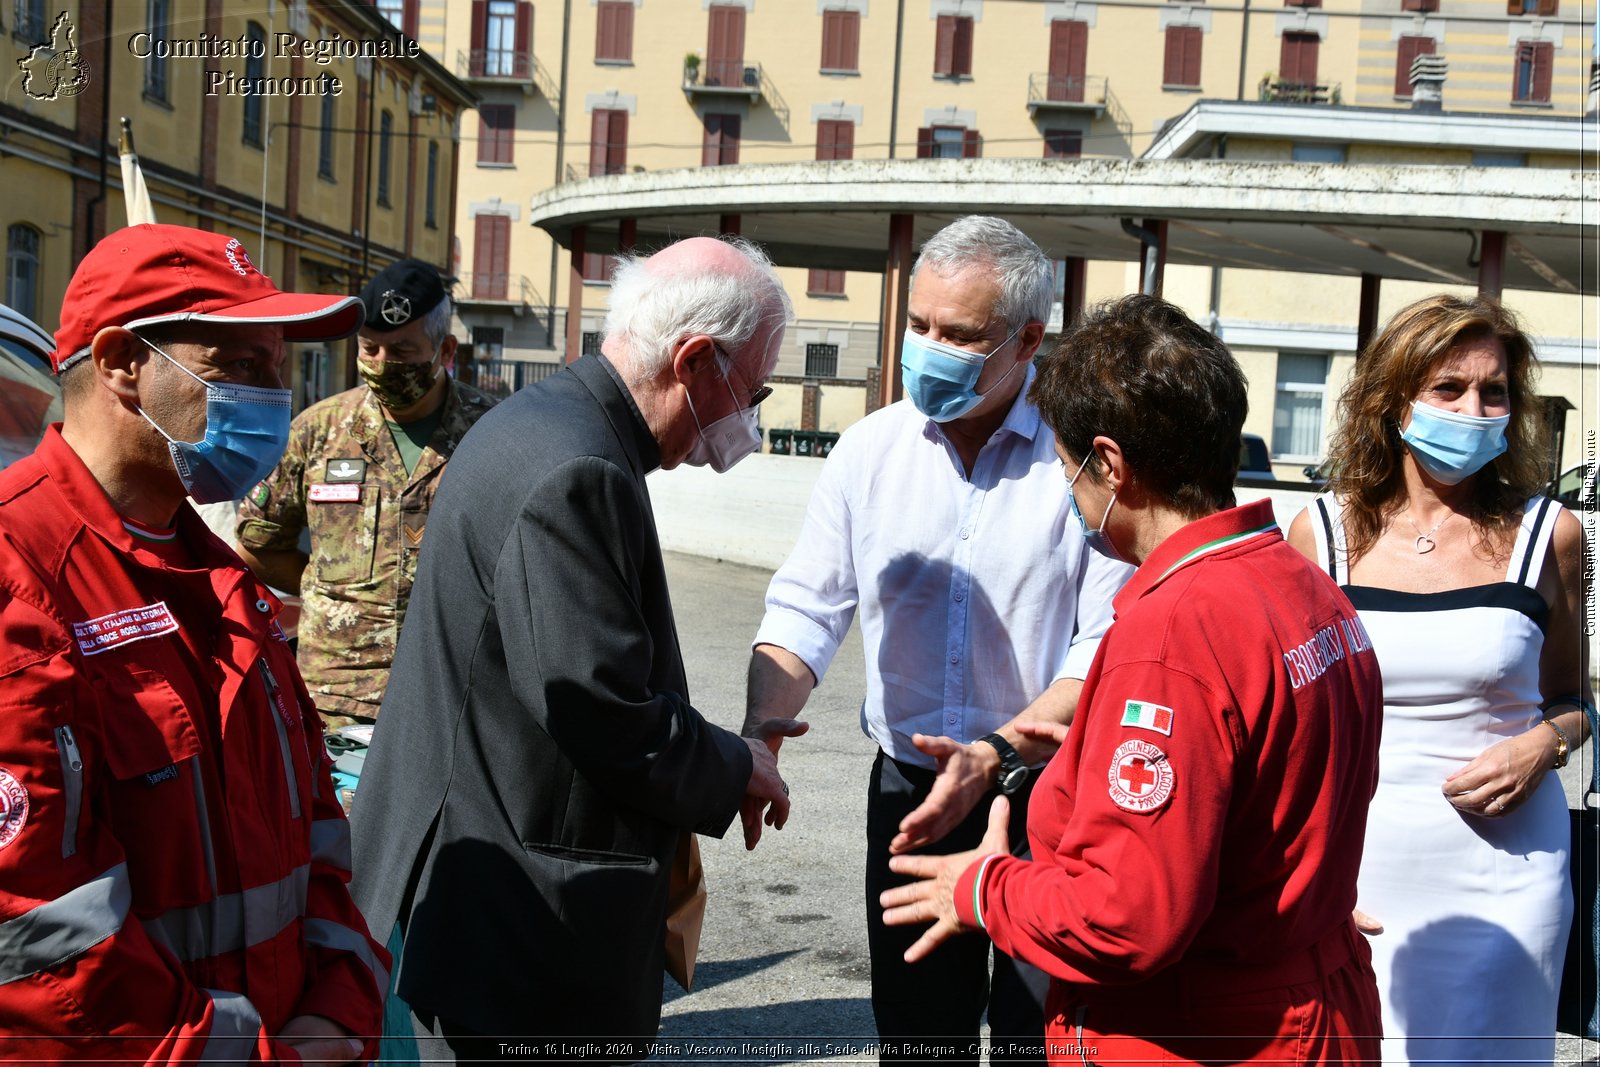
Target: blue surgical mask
pixel 1095 539
pixel 247 430
pixel 1451 446
pixel 941 379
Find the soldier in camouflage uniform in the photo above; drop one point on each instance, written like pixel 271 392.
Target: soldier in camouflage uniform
pixel 360 473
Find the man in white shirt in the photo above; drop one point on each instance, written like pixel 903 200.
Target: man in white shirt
pixel 944 519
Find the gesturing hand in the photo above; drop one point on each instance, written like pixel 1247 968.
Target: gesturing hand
pixel 767 797
pixel 932 899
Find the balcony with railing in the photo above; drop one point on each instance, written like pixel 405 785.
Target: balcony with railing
pixel 496 288
pixel 1275 90
pixel 577 172
pixel 724 77
pixel 1068 92
pixel 498 66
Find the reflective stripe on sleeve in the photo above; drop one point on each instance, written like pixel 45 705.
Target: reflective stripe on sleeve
pixel 234 921
pixel 235 1027
pixel 66 927
pixel 325 933
pixel 330 843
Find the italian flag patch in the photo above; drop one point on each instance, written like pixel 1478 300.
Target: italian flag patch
pixel 1148 716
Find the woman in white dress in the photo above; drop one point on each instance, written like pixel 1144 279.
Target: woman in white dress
pixel 1471 587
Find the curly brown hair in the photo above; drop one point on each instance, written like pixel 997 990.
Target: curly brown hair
pixel 1367 452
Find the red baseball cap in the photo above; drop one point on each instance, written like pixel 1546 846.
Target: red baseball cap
pixel 151 273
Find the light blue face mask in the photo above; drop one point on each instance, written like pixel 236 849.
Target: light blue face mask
pixel 941 379
pixel 247 430
pixel 1095 539
pixel 1451 446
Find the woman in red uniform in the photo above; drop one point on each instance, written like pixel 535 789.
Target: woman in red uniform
pixel 1196 839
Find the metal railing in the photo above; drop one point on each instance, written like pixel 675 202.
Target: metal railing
pixel 502 377
pixel 1276 91
pixel 1049 88
pixel 503 64
pixel 577 172
pixel 731 74
pixel 496 286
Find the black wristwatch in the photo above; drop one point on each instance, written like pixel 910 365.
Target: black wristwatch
pixel 1013 772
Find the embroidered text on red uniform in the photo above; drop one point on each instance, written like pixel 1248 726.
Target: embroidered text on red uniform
pixel 121 627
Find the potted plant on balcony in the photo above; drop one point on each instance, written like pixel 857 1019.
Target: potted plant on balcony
pixel 691 68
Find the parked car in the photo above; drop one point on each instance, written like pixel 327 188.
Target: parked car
pixel 1255 462
pixel 30 398
pixel 1575 487
pixel 1319 474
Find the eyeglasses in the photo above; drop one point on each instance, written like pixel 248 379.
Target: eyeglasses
pixel 756 397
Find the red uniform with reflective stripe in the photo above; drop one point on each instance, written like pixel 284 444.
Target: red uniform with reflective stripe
pixel 1171 924
pixel 179 878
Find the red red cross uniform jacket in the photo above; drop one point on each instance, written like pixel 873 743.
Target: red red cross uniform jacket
pixel 1196 840
pixel 173 863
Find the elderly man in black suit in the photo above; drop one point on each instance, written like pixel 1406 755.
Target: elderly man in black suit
pixel 538 763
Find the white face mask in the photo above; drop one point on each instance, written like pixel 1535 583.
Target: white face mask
pixel 727 440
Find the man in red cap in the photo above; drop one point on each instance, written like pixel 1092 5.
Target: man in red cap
pixel 173 863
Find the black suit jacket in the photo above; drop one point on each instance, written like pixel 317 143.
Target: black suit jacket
pixel 536 757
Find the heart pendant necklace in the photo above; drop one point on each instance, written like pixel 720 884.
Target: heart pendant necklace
pixel 1425 542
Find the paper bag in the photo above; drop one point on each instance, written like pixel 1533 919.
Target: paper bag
pixel 686 910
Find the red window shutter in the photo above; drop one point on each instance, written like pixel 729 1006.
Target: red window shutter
pixel 605 30
pixel 1408 49
pixel 1191 55
pixel 730 133
pixel 924 142
pixel 850 45
pixel 825 282
pixel 835 139
pixel 524 60
pixel 1513 7
pixel 1544 54
pixel 599 138
pixel 1298 58
pixel 624 31
pixel 725 46
pixel 962 47
pixel 480 36
pixel 410 18
pixel 1063 144
pixel 491 253
pixel 617 154
pixel 971 145
pixel 1549 7
pixel 1069 51
pixel 496 133
pixel 944 46
pixel 1172 59
pixel 1419 5
pixel 831 31
pixel 711 147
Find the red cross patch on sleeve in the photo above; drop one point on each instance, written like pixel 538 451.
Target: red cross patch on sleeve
pixel 1140 779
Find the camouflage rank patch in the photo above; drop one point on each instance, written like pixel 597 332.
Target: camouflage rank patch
pixel 260 494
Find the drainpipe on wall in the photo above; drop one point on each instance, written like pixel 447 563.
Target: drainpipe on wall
pixel 561 156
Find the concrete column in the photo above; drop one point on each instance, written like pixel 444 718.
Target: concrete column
pixel 1153 267
pixel 810 405
pixel 729 225
pixel 896 293
pixel 1492 263
pixel 575 295
pixel 1074 271
pixel 874 390
pixel 1367 320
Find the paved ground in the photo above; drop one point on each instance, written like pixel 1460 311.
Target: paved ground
pixel 783 974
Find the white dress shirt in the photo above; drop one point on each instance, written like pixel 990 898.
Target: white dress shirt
pixel 975 594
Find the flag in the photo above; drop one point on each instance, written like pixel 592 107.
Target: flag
pixel 1148 716
pixel 135 197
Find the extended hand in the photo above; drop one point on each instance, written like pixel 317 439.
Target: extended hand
pixel 767 797
pixel 319 1040
pixel 933 898
pixel 966 773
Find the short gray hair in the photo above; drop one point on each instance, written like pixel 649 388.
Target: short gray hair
pixel 652 310
pixel 436 324
pixel 1026 276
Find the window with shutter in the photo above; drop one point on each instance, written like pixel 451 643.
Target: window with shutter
pixel 725 46
pixel 596 267
pixel 1069 50
pixel 1182 64
pixel 614 31
pixel 491 256
pixel 522 61
pixel 721 146
pixel 835 139
pixel 1406 50
pixel 1531 78
pixel 1302 3
pixel 1297 60
pixel 971 144
pixel 1542 8
pixel 841 40
pixel 496 133
pixel 1063 144
pixel 952 53
pixel 608 142
pixel 825 283
pixel 1419 5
